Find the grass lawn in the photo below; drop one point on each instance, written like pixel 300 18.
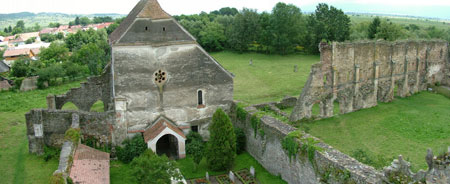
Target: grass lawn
pixel 16 165
pixel 270 78
pixel 406 126
pixel 120 173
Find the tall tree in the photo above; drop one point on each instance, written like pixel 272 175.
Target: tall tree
pixel 286 26
pixel 373 27
pixel 20 24
pixel 77 21
pixel 57 52
pixel 245 29
pixel 327 23
pixel 212 38
pixel 221 148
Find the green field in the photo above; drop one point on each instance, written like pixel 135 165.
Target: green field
pixel 406 126
pixel 404 21
pixel 270 78
pixel 16 165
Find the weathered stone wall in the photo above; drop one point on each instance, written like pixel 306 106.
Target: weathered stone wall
pixel 139 101
pixel 47 127
pixel 328 165
pixel 358 75
pixel 96 88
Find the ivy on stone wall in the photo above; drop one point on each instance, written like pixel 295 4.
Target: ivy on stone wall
pixel 255 122
pixel 72 134
pixel 290 144
pixel 241 113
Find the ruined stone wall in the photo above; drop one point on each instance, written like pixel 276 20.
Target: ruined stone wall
pixel 328 165
pixel 358 75
pixel 96 88
pixel 47 127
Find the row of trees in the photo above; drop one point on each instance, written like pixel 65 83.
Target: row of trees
pixel 283 31
pixel 286 30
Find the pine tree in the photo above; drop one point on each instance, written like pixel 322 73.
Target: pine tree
pixel 221 148
pixel 373 27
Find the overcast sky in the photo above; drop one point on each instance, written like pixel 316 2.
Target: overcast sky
pixel 425 8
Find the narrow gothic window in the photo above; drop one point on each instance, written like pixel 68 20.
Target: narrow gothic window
pixel 146 28
pixel 164 28
pixel 200 97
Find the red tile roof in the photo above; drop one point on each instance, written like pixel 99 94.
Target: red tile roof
pixel 90 166
pixel 156 129
pixel 16 52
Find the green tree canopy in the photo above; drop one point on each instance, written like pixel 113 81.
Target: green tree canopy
pixel 91 55
pixel 286 28
pixel 221 148
pixel 56 52
pixel 245 29
pixel 212 37
pixel 150 168
pixel 373 27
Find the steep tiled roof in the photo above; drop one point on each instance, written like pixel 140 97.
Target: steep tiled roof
pixel 144 9
pixel 156 129
pixel 90 166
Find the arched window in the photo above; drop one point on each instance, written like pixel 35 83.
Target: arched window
pixel 200 97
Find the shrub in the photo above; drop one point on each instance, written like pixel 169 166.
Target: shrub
pixel 51 152
pixel 240 140
pixel 57 179
pixel 221 148
pixel 131 148
pixel 191 136
pixel 153 169
pixel 20 68
pixel 241 113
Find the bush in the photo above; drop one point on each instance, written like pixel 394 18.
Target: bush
pixel 241 113
pixel 240 140
pixel 20 68
pixel 51 152
pixel 131 148
pixel 192 136
pixel 57 179
pixel 150 168
pixel 221 148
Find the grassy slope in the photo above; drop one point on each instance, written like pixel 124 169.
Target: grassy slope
pixel 405 126
pixel 270 78
pixel 16 165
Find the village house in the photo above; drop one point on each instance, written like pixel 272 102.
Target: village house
pixel 12 55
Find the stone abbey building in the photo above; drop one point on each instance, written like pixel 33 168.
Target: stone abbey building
pixel 160 83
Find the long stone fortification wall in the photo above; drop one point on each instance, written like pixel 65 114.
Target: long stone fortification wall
pixel 358 75
pixel 323 163
pixel 326 165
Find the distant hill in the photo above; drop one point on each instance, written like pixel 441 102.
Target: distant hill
pixel 43 19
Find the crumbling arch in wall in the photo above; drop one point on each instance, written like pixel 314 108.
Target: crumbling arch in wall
pixel 315 110
pixel 336 107
pixel 69 106
pixel 98 106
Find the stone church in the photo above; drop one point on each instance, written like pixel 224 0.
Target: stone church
pixel 160 83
